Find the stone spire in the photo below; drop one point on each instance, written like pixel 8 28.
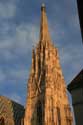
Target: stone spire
pixel 44 31
pixel 47 102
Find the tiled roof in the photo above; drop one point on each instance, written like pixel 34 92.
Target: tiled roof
pixel 11 111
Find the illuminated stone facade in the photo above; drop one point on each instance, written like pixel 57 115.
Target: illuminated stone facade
pixel 47 102
pixel 11 113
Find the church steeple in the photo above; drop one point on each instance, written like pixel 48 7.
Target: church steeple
pixel 44 31
pixel 47 102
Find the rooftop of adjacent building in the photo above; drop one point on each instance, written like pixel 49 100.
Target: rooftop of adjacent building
pixel 76 82
pixel 10 109
pixel 7 99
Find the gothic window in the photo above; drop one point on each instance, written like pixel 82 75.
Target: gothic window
pixel 39 113
pixel 69 122
pixel 68 114
pixel 22 121
pixel 59 116
pixel 2 121
pixel 67 110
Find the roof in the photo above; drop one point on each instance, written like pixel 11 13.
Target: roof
pixel 77 82
pixel 4 97
pixel 11 111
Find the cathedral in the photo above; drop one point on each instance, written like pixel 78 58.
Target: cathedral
pixel 11 113
pixel 47 102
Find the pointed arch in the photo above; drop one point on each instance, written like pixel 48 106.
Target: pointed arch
pixel 2 121
pixel 39 113
pixel 59 115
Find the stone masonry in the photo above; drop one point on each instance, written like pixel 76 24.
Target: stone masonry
pixel 47 102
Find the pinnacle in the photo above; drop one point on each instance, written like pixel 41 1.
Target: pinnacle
pixel 43 5
pixel 44 30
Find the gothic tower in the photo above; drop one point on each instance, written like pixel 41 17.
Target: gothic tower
pixel 47 102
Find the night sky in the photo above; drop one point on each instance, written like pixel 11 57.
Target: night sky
pixel 19 31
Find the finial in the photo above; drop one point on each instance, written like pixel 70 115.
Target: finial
pixel 43 6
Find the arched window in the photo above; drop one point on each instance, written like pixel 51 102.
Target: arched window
pixel 2 121
pixel 39 113
pixel 22 121
pixel 59 116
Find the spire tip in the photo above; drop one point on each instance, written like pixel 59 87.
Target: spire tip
pixel 43 5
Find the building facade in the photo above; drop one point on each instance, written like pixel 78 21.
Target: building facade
pixel 80 13
pixel 47 102
pixel 76 90
pixel 11 113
